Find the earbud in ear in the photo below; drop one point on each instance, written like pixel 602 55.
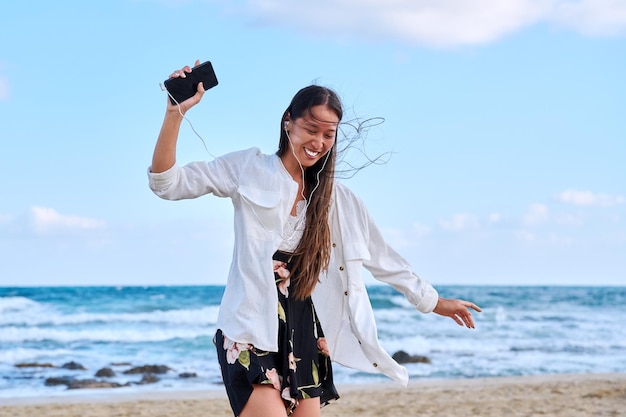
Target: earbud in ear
pixel 286 124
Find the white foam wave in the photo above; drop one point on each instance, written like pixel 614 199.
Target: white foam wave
pixel 45 317
pixel 12 334
pixel 20 354
pixel 10 305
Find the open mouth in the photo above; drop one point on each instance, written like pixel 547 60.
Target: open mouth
pixel 310 153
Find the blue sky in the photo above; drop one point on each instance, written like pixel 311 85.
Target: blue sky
pixel 504 121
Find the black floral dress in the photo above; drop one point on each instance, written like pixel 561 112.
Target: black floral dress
pixel 300 369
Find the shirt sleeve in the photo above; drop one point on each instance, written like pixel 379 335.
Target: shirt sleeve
pixel 219 177
pixel 386 265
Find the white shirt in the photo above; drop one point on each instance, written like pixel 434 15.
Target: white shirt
pixel 262 193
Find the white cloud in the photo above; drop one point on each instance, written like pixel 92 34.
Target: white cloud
pixel 588 198
pixel 440 22
pixel 536 215
pixel 494 218
pixel 592 17
pixel 406 238
pixel 421 230
pixel 4 88
pixel 559 240
pixel 46 219
pixel 396 238
pixel 5 218
pixel 525 235
pixel 570 219
pixel 435 22
pixel 459 222
pixel 551 239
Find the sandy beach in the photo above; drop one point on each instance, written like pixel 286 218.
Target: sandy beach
pixel 547 395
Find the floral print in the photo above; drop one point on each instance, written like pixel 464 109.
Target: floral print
pixel 322 346
pixel 274 378
pixel 301 368
pixel 237 352
pixel 292 362
pixel 282 277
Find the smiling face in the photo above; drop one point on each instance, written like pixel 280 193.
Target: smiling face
pixel 310 138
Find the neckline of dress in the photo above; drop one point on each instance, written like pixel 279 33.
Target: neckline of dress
pixel 300 206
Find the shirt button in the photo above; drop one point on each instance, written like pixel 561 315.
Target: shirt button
pixel 334 245
pixel 341 268
pixel 345 293
pixel 375 365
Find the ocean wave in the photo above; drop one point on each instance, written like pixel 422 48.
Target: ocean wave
pixel 35 315
pixel 17 304
pixel 107 334
pixel 385 301
pixel 20 354
pixel 521 331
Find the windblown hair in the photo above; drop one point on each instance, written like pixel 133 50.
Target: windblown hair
pixel 312 255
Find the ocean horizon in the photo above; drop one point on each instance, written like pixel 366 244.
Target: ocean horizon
pixel 523 330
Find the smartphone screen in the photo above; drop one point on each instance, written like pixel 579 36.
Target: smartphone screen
pixel 183 88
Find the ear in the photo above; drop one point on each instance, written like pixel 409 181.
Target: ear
pixel 286 121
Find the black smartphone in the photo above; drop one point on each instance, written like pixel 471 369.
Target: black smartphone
pixel 183 88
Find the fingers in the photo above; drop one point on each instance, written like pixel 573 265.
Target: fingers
pixel 464 320
pixel 474 307
pixel 457 319
pixel 179 73
pixel 457 310
pixel 468 321
pixel 182 73
pixel 464 316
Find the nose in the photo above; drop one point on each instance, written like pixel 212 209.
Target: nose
pixel 318 142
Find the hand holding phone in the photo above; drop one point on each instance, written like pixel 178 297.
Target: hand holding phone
pixel 180 89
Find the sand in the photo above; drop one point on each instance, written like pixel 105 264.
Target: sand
pixel 588 395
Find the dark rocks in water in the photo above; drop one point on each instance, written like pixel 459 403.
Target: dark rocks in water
pixel 61 380
pixel 148 379
pixel 148 369
pixel 34 365
pixel 93 383
pixel 121 364
pixel 73 383
pixel 105 373
pixel 403 357
pixel 74 366
pixel 148 373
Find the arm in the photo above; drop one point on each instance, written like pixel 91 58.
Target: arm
pixel 172 182
pixel 388 266
pixel 164 156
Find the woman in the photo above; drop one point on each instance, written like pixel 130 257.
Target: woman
pixel 294 298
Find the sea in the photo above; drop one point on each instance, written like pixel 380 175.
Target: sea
pixel 523 330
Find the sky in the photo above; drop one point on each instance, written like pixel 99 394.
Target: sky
pixel 503 134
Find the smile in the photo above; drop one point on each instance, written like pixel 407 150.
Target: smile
pixel 310 153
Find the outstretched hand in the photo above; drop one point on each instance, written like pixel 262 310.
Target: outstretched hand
pixel 457 310
pixel 191 101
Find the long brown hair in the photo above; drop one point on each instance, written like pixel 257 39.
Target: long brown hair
pixel 312 255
